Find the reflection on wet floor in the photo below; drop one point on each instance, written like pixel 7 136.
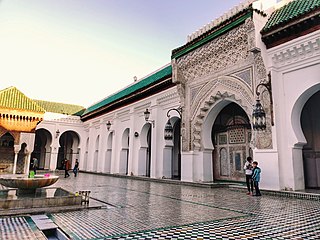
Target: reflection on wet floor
pixel 151 210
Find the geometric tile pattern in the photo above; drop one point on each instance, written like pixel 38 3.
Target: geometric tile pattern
pixel 164 211
pixel 14 228
pixel 148 210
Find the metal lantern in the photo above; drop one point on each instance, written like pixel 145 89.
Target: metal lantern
pixel 258 117
pixel 146 115
pixel 168 131
pixel 108 125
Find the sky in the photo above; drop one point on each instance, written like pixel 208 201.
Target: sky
pixel 81 51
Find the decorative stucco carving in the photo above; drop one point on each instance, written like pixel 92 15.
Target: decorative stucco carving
pixel 300 50
pixel 221 69
pixel 244 75
pixel 264 138
pixel 168 98
pixel 204 109
pixel 229 49
pixel 226 84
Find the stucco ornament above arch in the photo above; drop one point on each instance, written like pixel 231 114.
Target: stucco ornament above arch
pixel 226 88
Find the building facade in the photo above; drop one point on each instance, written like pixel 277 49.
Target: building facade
pixel 192 119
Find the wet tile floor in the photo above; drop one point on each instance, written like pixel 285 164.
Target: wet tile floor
pixel 149 210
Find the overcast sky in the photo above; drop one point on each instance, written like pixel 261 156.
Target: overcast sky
pixel 80 51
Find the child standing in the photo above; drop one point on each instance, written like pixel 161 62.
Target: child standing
pixel 248 168
pixel 256 177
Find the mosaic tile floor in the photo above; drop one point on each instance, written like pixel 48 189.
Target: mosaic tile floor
pixel 14 228
pixel 147 210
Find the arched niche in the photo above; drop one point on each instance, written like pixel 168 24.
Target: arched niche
pixel 69 142
pixel 42 148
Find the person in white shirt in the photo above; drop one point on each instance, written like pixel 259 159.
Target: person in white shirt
pixel 248 169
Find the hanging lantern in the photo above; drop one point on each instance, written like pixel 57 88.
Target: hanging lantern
pixel 258 117
pixel 168 131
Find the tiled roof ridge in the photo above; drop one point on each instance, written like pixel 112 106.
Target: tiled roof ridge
pixel 220 20
pixel 69 104
pixel 290 12
pixel 134 87
pixel 62 108
pixel 11 97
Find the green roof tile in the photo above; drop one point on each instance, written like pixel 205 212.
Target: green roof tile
pixel 55 107
pixel 290 12
pixel 12 98
pixel 154 78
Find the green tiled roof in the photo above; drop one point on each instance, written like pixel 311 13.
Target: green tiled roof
pixel 154 78
pixel 54 107
pixel 290 12
pixel 12 98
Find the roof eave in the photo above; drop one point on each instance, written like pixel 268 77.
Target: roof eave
pixel 122 102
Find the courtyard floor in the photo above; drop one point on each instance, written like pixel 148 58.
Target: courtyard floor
pixel 151 210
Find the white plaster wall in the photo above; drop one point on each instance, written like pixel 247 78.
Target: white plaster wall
pixel 295 71
pixel 132 117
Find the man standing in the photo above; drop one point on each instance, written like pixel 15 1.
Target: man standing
pixel 248 168
pixel 66 167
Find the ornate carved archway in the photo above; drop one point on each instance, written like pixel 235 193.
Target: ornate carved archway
pixel 218 92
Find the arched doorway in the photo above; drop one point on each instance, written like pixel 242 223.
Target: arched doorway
pixel 230 136
pixel 69 148
pixel 96 154
pixel 124 152
pixel 144 165
pixel 108 157
pixel 176 149
pixel 6 153
pixel 42 148
pixel 172 151
pixel 311 151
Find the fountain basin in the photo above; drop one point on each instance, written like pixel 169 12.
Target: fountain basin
pixel 23 182
pixel 41 198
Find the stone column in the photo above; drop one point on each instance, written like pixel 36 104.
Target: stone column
pixel 53 159
pixel 27 164
pixel 16 151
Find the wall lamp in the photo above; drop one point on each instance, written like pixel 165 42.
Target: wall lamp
pixel 57 133
pixel 259 114
pixel 168 129
pixel 108 124
pixel 147 116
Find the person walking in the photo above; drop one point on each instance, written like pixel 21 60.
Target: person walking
pixel 256 177
pixel 66 167
pixel 76 168
pixel 248 169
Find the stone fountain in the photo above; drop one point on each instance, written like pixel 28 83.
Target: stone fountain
pixel 25 193
pixel 27 184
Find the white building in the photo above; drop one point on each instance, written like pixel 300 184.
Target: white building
pixel 208 92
